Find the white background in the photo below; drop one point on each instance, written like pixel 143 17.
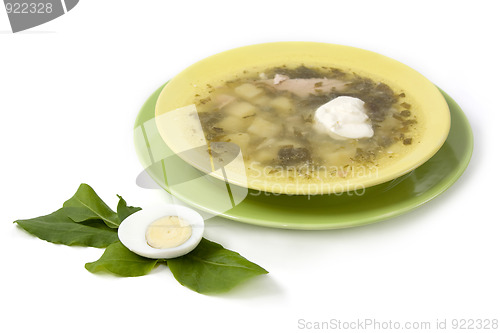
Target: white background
pixel 69 94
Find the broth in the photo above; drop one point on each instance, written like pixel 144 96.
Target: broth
pixel 269 114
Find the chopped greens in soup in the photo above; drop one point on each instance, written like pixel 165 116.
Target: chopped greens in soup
pixel 274 117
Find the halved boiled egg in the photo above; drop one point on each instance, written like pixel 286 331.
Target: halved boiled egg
pixel 162 232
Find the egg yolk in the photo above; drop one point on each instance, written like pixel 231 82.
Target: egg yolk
pixel 168 232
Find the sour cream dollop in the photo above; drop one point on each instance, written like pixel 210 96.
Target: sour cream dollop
pixel 343 118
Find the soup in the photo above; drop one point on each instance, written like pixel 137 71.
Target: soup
pixel 274 100
pixel 272 115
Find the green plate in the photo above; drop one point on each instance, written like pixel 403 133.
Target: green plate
pixel 318 212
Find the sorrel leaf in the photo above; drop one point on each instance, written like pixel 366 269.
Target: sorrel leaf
pixel 125 211
pixel 60 229
pixel 119 260
pixel 86 205
pixel 211 269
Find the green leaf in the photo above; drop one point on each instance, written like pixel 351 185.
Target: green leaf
pixel 210 268
pixel 86 205
pixel 60 229
pixel 121 261
pixel 125 211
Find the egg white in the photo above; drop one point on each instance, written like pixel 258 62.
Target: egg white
pixel 132 231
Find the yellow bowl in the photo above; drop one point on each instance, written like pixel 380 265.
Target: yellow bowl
pixel 426 100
